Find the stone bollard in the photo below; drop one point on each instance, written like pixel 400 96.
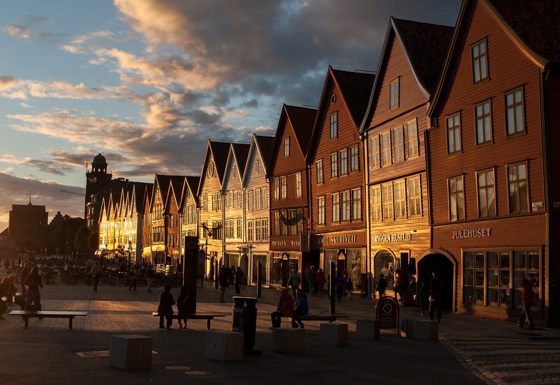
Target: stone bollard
pixel 367 329
pixel 130 352
pixel 288 340
pixel 425 330
pixel 407 328
pixel 334 334
pixel 224 346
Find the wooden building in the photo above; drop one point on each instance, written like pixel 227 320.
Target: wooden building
pixel 493 172
pixel 334 157
pixel 233 196
pixel 210 196
pixel 289 205
pixel 257 215
pixel 398 212
pixel 188 210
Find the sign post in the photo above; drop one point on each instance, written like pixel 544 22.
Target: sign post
pixel 387 313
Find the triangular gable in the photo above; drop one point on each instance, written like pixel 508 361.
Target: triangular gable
pixel 217 152
pixel 261 148
pixel 191 190
pixel 354 89
pixel 237 157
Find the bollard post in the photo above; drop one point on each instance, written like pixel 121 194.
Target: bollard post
pixel 245 320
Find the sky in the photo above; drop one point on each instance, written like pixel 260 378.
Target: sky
pixel 147 83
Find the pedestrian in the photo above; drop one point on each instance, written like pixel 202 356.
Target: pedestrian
pixel 24 273
pixel 96 274
pixel 133 278
pixel 285 308
pixel 293 281
pixel 349 288
pixel 339 285
pixel 312 279
pixel 400 284
pixel 381 285
pixel 424 296
pixel 182 306
pixel 150 277
pixel 436 294
pixel 223 277
pixel 321 280
pixel 302 309
pixel 33 282
pixel 238 279
pixel 4 292
pixel 527 299
pixel 165 307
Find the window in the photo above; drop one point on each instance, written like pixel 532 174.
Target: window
pixel 239 228
pixel 287 147
pixel 343 162
pixel 456 198
pixel 518 188
pixel 387 201
pixel 335 207
pixel 399 196
pixel 283 187
pixel 411 139
pixel 276 188
pixel 398 144
pixel 375 200
pixel 354 158
pixel 211 170
pixel 394 94
pixel 493 277
pixel 321 210
pixel 334 165
pixel 386 149
pixel 257 167
pixel 250 200
pixel 250 230
pixel 374 153
pixel 346 205
pixel 357 204
pixel 319 171
pixel 298 185
pixel 483 115
pixel 479 61
pixel 414 196
pixel 515 120
pixel 486 193
pixel 334 126
pixel 453 133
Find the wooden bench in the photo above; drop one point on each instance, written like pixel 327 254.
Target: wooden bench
pixel 26 314
pixel 330 318
pixel 207 317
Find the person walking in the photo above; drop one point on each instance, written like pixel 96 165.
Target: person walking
pixel 312 279
pixel 33 282
pixel 302 309
pixel 321 280
pixel 96 274
pixel 165 307
pixel 293 282
pixel 436 294
pixel 339 286
pixel 182 306
pixel 133 278
pixel 4 292
pixel 285 308
pixel 527 298
pixel 223 278
pixel 238 279
pixel 381 285
pixel 149 277
pixel 424 297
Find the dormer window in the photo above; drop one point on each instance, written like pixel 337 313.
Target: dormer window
pixel 479 61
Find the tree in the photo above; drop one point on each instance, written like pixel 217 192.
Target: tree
pixel 81 240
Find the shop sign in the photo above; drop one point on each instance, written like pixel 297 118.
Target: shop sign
pixel 472 233
pixel 405 237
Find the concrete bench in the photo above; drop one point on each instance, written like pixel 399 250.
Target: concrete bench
pixel 425 330
pixel 207 317
pixel 130 352
pixel 26 314
pixel 367 329
pixel 288 340
pixel 334 334
pixel 224 346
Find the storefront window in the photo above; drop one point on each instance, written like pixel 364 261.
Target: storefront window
pixel 490 278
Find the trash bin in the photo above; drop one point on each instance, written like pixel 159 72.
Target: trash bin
pixel 245 320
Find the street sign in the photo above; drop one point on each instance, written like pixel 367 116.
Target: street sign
pixel 387 313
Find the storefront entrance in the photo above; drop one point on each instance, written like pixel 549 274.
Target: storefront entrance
pixel 445 269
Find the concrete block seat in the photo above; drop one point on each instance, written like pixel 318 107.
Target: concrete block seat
pixel 334 334
pixel 367 329
pixel 130 352
pixel 288 340
pixel 224 346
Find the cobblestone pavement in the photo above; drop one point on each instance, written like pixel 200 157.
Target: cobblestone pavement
pixel 497 352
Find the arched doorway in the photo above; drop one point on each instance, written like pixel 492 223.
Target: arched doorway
pixel 445 268
pixel 384 263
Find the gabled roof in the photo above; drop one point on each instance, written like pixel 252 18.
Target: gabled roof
pixel 532 25
pixel 169 185
pixel 355 91
pixel 261 146
pixel 219 152
pixel 425 47
pixel 302 120
pixel 241 152
pixel 190 188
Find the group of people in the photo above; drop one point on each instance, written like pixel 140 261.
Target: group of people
pixel 165 307
pixel 30 298
pixel 230 276
pixel 287 307
pixel 317 280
